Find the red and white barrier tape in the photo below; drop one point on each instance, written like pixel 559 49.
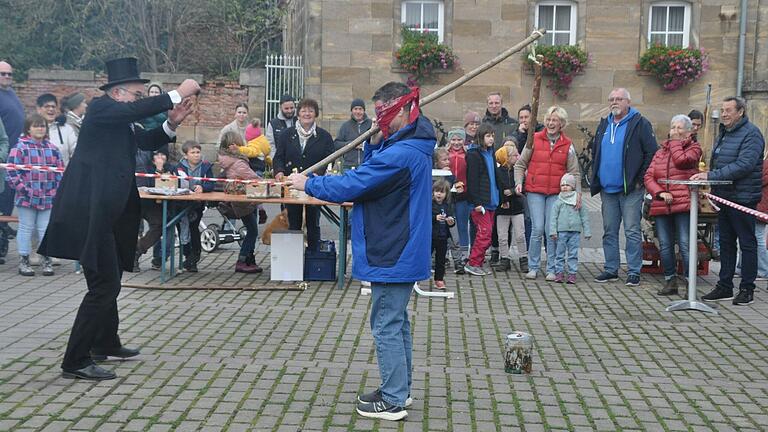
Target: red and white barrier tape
pixel 739 207
pixel 21 167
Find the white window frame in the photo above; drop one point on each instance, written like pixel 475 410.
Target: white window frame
pixel 666 32
pixel 574 18
pixel 440 15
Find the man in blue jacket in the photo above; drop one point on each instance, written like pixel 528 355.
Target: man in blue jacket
pixel 737 156
pixel 623 147
pixel 391 234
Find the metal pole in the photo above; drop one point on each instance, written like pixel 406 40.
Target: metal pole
pixel 742 46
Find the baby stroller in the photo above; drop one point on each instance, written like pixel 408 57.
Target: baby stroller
pixel 213 235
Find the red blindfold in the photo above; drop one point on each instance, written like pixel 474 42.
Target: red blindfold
pixel 385 113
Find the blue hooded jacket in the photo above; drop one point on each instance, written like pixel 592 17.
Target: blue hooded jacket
pixel 622 152
pixel 392 195
pixel 612 145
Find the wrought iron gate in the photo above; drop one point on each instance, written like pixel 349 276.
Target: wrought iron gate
pixel 285 74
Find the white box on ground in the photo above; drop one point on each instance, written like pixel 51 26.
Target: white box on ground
pixel 287 256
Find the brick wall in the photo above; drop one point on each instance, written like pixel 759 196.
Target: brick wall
pixel 215 107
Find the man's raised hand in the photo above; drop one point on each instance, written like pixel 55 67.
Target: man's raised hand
pixel 188 88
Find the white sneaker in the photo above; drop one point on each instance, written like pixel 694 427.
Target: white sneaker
pixel 551 277
pixel 365 283
pixel 531 274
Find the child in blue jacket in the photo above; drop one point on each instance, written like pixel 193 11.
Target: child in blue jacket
pixel 193 165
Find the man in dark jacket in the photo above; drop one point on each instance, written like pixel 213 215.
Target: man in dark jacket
pixel 351 129
pixel 95 216
pixel 391 234
pixel 498 117
pixel 285 119
pixel 12 116
pixel 737 156
pixel 624 146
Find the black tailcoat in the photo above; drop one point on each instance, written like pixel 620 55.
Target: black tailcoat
pixel 97 195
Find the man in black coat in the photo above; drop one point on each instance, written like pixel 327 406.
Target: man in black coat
pixel 95 216
pixel 298 148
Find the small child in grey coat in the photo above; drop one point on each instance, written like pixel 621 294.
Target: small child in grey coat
pixel 566 223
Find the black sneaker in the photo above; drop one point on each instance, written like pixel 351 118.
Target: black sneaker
pixel 744 298
pixel 606 277
pixel 633 280
pixel 381 410
pixel 494 257
pixel 718 294
pixel 375 396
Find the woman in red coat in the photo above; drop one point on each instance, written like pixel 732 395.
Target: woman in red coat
pixel 677 159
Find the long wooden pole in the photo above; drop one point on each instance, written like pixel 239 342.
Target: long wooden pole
pixel 534 101
pixel 432 97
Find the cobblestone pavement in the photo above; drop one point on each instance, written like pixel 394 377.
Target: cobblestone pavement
pixel 608 357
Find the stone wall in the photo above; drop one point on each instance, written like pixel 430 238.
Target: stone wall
pixel 357 42
pixel 214 110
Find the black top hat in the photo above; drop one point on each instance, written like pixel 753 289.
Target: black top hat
pixel 122 70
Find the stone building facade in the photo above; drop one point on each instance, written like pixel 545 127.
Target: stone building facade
pixel 349 51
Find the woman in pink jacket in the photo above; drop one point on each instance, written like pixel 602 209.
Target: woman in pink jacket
pixel 677 158
pixel 234 165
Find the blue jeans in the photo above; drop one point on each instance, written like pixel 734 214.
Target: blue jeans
pixel 667 227
pixel 528 226
pixel 248 245
pixel 462 223
pixel 30 220
pixel 540 207
pixel 392 336
pixel 616 208
pixel 567 245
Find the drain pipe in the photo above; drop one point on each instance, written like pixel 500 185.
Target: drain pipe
pixel 742 46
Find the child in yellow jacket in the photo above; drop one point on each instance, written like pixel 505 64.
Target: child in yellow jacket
pixel 257 147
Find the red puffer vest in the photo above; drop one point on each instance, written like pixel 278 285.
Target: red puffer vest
pixel 547 167
pixel 676 160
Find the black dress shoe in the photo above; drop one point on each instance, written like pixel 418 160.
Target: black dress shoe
pixel 90 372
pixel 121 352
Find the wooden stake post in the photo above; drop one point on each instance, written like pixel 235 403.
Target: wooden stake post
pixel 432 97
pixel 706 139
pixel 534 99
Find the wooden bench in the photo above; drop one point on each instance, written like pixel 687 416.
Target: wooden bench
pixel 9 219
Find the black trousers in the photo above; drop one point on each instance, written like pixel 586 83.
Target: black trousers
pixel 97 321
pixel 195 214
pixel 440 248
pixel 6 199
pixel 736 225
pixel 295 213
pixel 151 212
